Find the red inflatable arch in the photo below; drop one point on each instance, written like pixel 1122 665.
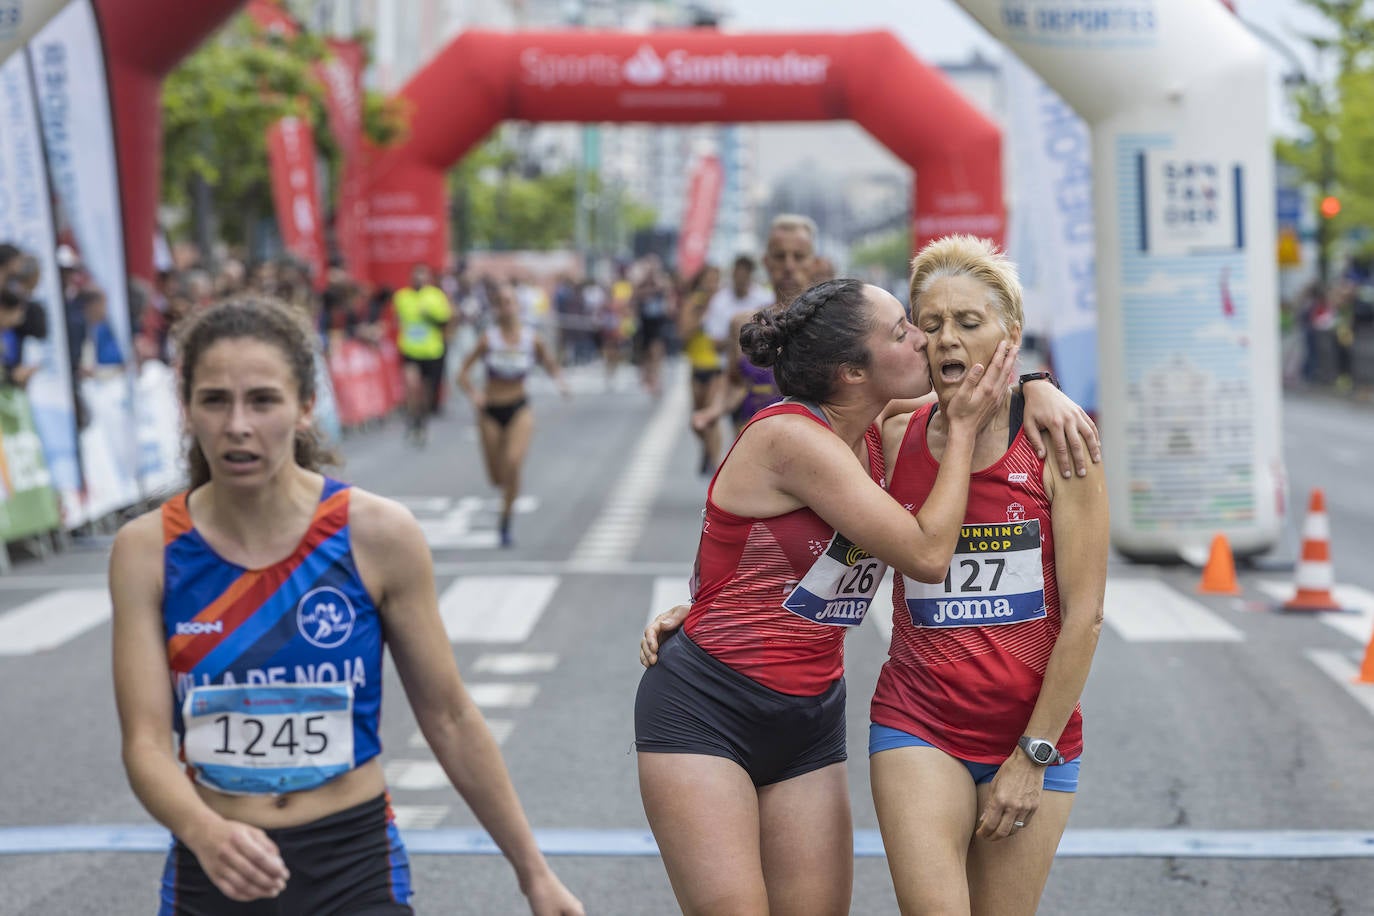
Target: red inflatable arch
pixel 483 78
pixel 144 40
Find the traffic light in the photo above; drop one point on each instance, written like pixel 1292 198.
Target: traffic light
pixel 1330 206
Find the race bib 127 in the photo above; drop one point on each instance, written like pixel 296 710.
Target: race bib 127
pixel 995 578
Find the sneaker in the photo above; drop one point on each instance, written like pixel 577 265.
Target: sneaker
pixel 506 539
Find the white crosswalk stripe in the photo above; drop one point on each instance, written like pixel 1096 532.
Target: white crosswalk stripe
pixel 495 608
pixel 1356 621
pixel 52 619
pixel 503 696
pixel 1147 610
pixel 669 591
pixel 611 538
pixel 468 523
pixel 415 775
pixel 419 817
pixel 515 663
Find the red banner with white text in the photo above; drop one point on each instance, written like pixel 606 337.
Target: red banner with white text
pixel 699 219
pixel 291 159
pixel 342 75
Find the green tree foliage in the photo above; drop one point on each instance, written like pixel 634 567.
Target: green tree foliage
pixel 216 109
pixel 496 204
pixel 891 253
pixel 1334 157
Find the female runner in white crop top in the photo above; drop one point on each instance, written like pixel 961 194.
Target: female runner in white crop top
pixel 508 350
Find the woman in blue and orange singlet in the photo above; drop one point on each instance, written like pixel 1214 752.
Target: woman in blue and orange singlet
pixel 250 615
pixel 976 732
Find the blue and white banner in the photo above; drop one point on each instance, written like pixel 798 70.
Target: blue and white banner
pixel 20 20
pixel 1052 230
pixel 162 462
pixel 74 107
pixel 26 221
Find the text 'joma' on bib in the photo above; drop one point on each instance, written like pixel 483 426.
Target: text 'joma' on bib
pixel 995 578
pixel 839 587
pixel 260 739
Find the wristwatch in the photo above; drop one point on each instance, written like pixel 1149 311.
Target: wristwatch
pixel 1041 752
pixel 1034 376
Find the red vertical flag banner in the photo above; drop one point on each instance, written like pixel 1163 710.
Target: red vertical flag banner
pixel 699 219
pixel 291 162
pixel 341 75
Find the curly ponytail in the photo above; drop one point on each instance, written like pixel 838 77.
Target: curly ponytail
pixel 807 342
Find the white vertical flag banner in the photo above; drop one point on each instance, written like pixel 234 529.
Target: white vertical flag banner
pixel 20 20
pixel 26 221
pixel 74 108
pixel 1055 245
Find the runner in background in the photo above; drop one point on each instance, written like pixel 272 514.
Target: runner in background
pixel 703 358
pixel 654 307
pixel 617 324
pixel 789 259
pixel 423 315
pixel 509 349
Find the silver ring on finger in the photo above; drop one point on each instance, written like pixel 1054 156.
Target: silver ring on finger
pixel 1018 823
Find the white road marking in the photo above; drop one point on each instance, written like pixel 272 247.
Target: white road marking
pixel 669 591
pixel 415 775
pixel 452 524
pixel 1356 621
pixel 49 620
pixel 503 696
pixel 1342 669
pixel 613 535
pixel 1147 610
pixel 428 505
pixel 1170 843
pixel 500 729
pixel 495 608
pixel 515 663
pixel 419 817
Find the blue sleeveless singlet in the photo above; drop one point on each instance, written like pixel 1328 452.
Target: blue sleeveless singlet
pixel 276 672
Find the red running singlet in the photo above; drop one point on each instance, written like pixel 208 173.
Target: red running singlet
pixel 746 568
pixel 968 655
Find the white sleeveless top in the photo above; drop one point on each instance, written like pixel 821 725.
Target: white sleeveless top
pixel 509 362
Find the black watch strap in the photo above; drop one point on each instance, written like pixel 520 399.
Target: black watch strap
pixel 1035 376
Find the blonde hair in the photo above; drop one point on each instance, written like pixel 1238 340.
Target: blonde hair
pixel 790 221
pixel 978 259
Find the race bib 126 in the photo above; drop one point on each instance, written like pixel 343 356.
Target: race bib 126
pixel 995 578
pixel 269 739
pixel 839 587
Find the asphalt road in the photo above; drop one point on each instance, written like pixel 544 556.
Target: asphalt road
pixel 1203 713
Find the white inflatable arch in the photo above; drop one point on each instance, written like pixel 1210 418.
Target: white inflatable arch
pixel 1174 92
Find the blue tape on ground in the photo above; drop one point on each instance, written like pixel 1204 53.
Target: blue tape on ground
pixel 1188 844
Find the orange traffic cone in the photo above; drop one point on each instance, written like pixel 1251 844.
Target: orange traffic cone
pixel 1366 675
pixel 1315 576
pixel 1219 575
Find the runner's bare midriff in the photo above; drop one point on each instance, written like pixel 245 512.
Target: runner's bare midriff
pixel 295 808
